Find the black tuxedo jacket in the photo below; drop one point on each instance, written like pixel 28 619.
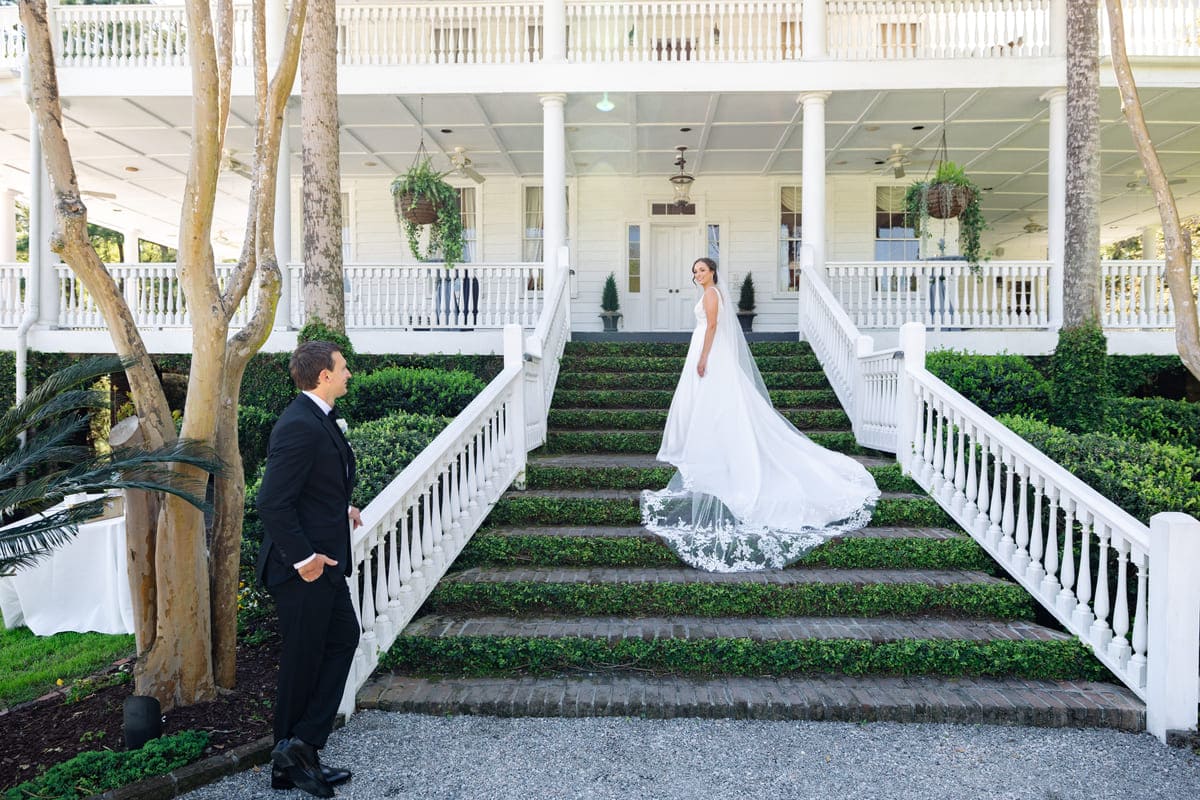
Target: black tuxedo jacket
pixel 305 493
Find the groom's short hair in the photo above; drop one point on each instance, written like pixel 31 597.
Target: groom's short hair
pixel 308 360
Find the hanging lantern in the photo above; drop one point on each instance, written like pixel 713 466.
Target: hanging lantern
pixel 682 182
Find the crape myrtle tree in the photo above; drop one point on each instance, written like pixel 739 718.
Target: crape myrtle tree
pixel 184 591
pixel 1177 243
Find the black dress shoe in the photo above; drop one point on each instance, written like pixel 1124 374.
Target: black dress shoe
pixel 298 762
pixel 332 775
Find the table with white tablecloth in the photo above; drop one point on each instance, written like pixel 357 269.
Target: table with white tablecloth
pixel 81 586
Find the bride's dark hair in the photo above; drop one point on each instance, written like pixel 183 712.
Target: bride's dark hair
pixel 708 262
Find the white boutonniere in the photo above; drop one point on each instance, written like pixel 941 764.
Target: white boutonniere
pixel 343 425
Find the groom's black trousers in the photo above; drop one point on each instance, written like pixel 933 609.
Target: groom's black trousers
pixel 320 633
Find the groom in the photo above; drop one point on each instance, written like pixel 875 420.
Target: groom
pixel 304 503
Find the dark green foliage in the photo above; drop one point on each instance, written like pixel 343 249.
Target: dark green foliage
pixel 608 298
pixel 892 479
pixel 537 476
pixel 1153 419
pixel 630 551
pixel 1144 478
pixel 661 399
pixel 649 419
pixel 316 331
pixel 254 435
pixel 8 369
pixel 978 600
pixel 1079 384
pixel 94 772
pixel 670 363
pixel 384 447
pixel 495 655
pixel 1003 384
pixel 668 380
pixel 746 294
pixel 1146 376
pixel 648 441
pixel 662 349
pixel 416 391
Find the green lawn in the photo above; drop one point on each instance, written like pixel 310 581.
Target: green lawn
pixel 32 665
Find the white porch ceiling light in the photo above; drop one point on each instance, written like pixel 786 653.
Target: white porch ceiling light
pixel 604 104
pixel 681 181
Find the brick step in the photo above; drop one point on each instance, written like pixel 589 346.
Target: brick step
pixel 647 461
pixel 666 349
pixel 1004 701
pixel 642 419
pixel 758 629
pixel 661 398
pixel 598 363
pixel 648 441
pixel 812 379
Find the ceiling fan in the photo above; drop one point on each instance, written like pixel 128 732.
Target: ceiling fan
pixel 1033 226
pixel 1141 183
pixel 895 161
pixel 462 165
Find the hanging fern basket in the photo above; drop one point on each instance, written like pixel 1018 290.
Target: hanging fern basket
pixel 947 200
pixel 415 208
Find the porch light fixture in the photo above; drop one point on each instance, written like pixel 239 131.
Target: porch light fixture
pixel 604 104
pixel 681 181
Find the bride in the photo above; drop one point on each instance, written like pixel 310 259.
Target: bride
pixel 751 491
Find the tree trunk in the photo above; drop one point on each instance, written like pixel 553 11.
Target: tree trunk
pixel 1081 274
pixel 324 300
pixel 1176 238
pixel 141 514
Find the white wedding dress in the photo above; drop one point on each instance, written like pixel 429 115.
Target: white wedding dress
pixel 752 492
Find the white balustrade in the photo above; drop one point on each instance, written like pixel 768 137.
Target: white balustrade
pixel 544 348
pixel 884 29
pixel 707 30
pixel 12 38
pixel 1156 28
pixel 413 529
pixel 943 294
pixel 12 294
pixel 128 36
pixel 440 33
pixel 1135 294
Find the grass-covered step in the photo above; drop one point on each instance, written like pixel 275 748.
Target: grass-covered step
pixel 540 475
pixel 624 419
pixel 648 460
pixel 469 655
pixel 669 380
pixel 569 363
pixel 600 441
pixel 660 349
pixel 910 698
pixel 661 398
pixel 526 509
pixel 803 592
pixel 636 547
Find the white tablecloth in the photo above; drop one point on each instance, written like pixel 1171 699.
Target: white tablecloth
pixel 81 586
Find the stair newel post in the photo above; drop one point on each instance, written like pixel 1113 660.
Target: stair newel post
pixel 1082 615
pixel 1033 571
pixel 1050 580
pixel 1065 599
pixel 1021 558
pixel 1101 633
pixel 1174 624
pixel 959 498
pixel 908 412
pixel 1008 523
pixel 514 357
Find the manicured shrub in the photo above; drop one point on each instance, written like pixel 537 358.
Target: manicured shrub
pixel 1144 478
pixel 254 434
pixel 318 332
pixel 416 391
pixel 1079 379
pixel 267 383
pixel 1002 384
pixel 94 772
pixel 1154 419
pixel 1147 376
pixel 384 447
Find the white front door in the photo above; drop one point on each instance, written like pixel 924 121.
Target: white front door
pixel 672 250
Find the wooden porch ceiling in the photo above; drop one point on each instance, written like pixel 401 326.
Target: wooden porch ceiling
pixel 1000 135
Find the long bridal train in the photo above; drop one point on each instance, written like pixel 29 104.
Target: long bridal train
pixel 751 491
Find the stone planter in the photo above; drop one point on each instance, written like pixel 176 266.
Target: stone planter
pixel 746 320
pixel 610 319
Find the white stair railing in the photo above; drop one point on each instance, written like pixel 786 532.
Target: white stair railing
pixel 1127 591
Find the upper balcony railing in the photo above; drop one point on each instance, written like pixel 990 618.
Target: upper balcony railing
pixel 631 31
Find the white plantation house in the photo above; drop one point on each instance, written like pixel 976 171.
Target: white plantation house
pixel 803 122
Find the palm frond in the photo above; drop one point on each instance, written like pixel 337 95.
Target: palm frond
pixel 25 543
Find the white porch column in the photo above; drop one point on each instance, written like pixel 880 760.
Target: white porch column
pixel 813 44
pixel 129 245
pixel 1056 199
pixel 554 183
pixel 1150 242
pixel 8 226
pixel 283 227
pixel 554 31
pixel 812 182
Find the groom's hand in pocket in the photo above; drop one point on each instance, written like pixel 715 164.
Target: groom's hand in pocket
pixel 313 569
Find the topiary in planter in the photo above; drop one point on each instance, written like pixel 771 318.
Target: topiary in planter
pixel 610 304
pixel 745 304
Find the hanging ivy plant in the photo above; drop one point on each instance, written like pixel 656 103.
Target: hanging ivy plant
pixel 421 185
pixel 958 196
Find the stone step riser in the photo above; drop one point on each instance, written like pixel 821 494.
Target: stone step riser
pixel 669 380
pixel 548 476
pixel 677 349
pixel 675 364
pixel 647 442
pixel 608 419
pixel 878 699
pixel 660 400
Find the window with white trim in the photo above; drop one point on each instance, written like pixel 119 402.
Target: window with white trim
pixel 789 238
pixel 633 258
pixel 470 227
pixel 532 232
pixel 894 236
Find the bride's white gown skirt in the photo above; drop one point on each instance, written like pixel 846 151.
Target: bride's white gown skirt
pixel 752 492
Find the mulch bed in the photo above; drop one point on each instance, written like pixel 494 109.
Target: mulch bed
pixel 48 731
